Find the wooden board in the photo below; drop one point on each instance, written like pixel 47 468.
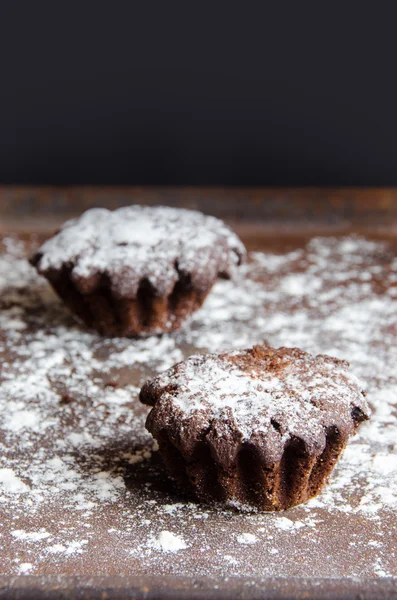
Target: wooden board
pixel 92 498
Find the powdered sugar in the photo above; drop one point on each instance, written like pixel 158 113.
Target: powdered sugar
pixel 78 464
pixel 25 568
pixel 246 538
pixel 140 242
pixel 30 536
pixel 167 541
pixel 304 394
pixel 10 483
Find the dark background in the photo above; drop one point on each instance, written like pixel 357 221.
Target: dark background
pixel 165 93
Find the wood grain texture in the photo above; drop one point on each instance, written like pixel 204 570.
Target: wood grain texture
pixel 40 208
pixel 259 212
pixel 49 587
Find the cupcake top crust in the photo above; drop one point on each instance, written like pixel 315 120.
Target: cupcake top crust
pixel 133 243
pixel 263 396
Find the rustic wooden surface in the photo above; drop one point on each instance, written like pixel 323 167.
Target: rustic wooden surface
pixel 137 588
pixel 38 208
pixel 277 212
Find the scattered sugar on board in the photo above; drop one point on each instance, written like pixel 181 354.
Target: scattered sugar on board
pixel 167 541
pixel 247 538
pixel 81 478
pixel 24 568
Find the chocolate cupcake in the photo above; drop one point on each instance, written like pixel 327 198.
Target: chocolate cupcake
pixel 138 270
pixel 256 429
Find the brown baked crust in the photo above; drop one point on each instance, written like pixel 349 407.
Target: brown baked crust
pixel 138 270
pixel 266 461
pixel 115 316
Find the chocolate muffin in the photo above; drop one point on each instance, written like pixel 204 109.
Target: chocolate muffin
pixel 255 429
pixel 138 270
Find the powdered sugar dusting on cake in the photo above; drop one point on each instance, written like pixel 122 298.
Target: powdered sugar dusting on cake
pixel 302 393
pixel 141 242
pixel 77 463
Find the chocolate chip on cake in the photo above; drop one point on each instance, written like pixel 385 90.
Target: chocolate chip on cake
pixel 138 270
pixel 259 428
